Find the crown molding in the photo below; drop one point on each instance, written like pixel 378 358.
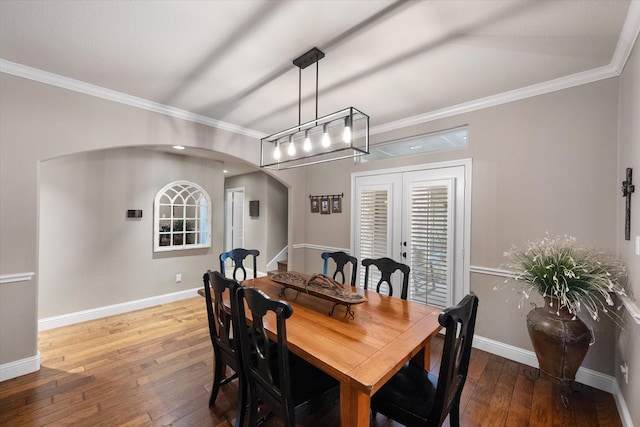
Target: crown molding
pixel 628 37
pixel 561 83
pixel 52 79
pixel 626 41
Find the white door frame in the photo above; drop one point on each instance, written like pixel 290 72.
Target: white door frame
pixel 229 215
pixel 466 221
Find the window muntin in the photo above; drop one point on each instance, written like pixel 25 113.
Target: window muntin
pixel 418 144
pixel 181 217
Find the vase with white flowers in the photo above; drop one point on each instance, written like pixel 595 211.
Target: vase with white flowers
pixel 572 280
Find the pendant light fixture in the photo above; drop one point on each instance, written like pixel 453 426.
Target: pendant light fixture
pixel 340 135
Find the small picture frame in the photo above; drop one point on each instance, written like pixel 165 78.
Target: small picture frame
pixel 336 205
pixel 315 205
pixel 325 206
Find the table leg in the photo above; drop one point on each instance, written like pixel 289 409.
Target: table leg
pixel 355 406
pixel 423 357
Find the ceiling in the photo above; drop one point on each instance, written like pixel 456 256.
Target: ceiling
pixel 229 63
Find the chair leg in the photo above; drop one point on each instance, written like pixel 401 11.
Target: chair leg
pixel 253 407
pixel 242 402
pixel 454 414
pixel 217 375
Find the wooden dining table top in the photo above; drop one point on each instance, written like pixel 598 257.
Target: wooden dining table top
pixel 362 352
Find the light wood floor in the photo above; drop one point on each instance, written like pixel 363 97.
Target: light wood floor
pixel 153 367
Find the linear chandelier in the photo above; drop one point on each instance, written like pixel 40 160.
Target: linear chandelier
pixel 340 135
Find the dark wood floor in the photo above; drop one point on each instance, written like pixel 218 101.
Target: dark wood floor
pixel 153 367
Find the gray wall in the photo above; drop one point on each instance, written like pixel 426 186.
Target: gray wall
pixel 91 255
pixel 39 122
pixel 543 164
pixel 267 232
pixel 628 345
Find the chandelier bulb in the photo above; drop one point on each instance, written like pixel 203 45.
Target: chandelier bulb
pixel 292 148
pixel 276 152
pixel 346 134
pixel 326 139
pixel 307 141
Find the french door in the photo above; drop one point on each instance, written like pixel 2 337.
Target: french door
pixel 419 218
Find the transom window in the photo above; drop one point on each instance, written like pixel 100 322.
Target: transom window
pixel 181 217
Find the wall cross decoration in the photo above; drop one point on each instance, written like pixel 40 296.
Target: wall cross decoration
pixel 627 189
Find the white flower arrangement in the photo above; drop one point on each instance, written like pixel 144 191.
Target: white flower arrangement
pixel 578 277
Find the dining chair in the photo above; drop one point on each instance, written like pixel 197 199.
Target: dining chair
pixel 415 397
pixel 387 267
pixel 341 259
pixel 226 348
pixel 238 256
pixel 289 385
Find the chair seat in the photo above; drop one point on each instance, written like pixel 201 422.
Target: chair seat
pixel 308 383
pixel 408 397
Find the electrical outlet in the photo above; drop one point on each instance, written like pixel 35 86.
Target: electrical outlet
pixel 637 245
pixel 624 368
pixel 178 278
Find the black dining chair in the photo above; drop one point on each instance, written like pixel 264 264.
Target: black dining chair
pixel 226 348
pixel 387 267
pixel 413 396
pixel 238 256
pixel 290 386
pixel 341 259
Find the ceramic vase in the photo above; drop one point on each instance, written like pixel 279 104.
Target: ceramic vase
pixel 560 340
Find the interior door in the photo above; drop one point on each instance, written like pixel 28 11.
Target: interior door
pixel 235 218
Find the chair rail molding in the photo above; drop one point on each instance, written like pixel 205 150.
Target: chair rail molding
pixel 632 308
pixel 492 271
pixel 321 248
pixel 17 277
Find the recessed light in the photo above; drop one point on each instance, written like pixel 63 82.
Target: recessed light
pixel 178 147
pixel 225 171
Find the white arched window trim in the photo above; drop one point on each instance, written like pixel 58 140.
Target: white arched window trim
pixel 181 217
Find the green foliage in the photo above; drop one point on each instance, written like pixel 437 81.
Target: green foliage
pixel 577 277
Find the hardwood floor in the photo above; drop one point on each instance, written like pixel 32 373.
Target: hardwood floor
pixel 153 367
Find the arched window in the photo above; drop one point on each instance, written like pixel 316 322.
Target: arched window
pixel 181 217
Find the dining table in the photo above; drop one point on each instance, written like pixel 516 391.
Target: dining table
pixel 362 349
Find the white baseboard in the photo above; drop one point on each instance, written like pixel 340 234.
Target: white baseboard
pixel 585 376
pixel 110 310
pixel 20 367
pixel 623 410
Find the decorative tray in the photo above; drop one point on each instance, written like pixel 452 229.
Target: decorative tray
pixel 320 286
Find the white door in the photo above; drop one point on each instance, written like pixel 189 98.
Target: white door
pixel 235 218
pixel 418 218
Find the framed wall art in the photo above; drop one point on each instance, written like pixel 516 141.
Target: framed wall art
pixel 315 205
pixel 336 204
pixel 325 206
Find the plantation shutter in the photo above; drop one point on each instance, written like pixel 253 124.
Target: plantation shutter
pixel 374 227
pixel 430 243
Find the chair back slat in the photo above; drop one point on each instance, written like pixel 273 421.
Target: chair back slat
pixel 459 322
pixel 341 260
pixel 238 256
pixel 387 267
pixel 264 358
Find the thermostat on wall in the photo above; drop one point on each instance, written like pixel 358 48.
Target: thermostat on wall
pixel 134 213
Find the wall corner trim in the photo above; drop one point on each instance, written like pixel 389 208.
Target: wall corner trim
pixel 632 308
pixel 18 277
pixel 621 404
pixel 20 367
